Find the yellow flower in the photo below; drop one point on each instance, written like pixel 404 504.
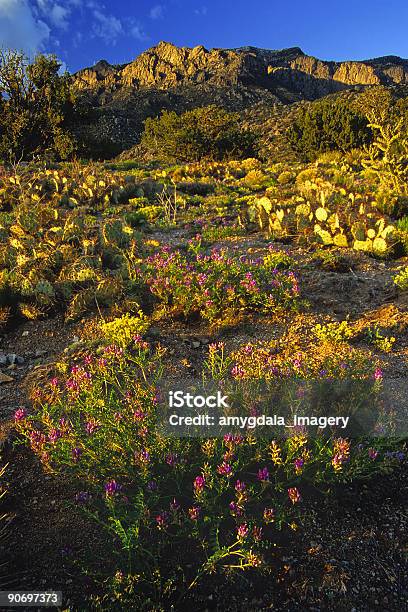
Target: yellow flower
pixel 275 453
pixel 208 447
pixel 296 442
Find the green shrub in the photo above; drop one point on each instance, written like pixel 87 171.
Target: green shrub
pixel 218 232
pixel 36 103
pixel 122 330
pixel 285 177
pixel 401 279
pixel 216 286
pixel 206 132
pixel 328 125
pixel 334 332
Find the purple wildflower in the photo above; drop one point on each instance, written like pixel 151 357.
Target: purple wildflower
pixel 224 469
pixel 242 531
pixel 20 414
pixel 199 483
pixel 373 454
pixel 194 512
pixel 111 488
pixel 378 374
pixel 82 497
pixel 76 454
pixel 269 515
pixel 263 474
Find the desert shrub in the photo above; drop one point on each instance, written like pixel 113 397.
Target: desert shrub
pixel 401 279
pixel 213 233
pixel 330 157
pixel 328 125
pixel 36 104
pixel 354 158
pixel 206 132
pixel 332 260
pixel 145 214
pixel 386 201
pixel 306 176
pixel 255 179
pixel 221 204
pixel 216 286
pixel 196 188
pixel 278 260
pixel 334 332
pixel 122 330
pixel 375 336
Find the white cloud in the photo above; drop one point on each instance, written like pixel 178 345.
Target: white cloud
pixel 77 39
pixel 157 12
pixel 59 16
pixel 202 11
pixel 20 28
pixel 32 25
pixel 55 12
pixel 106 27
pixel 137 31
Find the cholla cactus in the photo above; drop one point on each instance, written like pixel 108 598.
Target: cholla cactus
pixel 388 155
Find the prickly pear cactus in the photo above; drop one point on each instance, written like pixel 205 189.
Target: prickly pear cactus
pixel 117 233
pixel 354 224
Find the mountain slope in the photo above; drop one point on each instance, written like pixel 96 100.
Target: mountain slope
pixel 120 97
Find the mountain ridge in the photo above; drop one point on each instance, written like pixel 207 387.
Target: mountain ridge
pixel 166 65
pixel 167 77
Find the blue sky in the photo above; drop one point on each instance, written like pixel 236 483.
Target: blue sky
pixel 81 32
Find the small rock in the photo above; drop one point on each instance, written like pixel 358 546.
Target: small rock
pixel 40 353
pixel 3 360
pixel 75 339
pixel 14 359
pixel 5 379
pixel 153 332
pixel 25 333
pixel 196 344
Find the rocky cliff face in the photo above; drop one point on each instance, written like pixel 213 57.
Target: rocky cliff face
pixel 179 78
pixel 166 66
